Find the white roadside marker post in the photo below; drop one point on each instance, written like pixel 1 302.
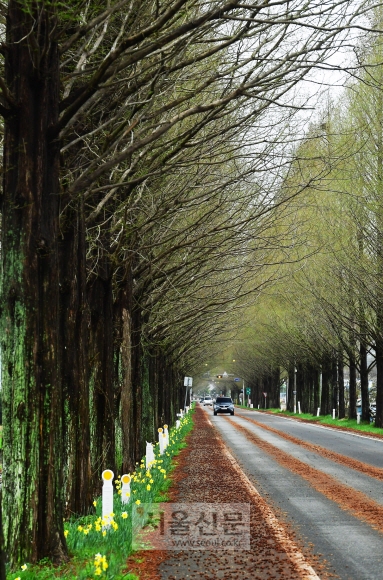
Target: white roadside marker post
pixel 333 414
pixel 166 433
pixel 177 424
pixel 125 488
pixel 299 407
pixel 107 495
pixel 149 455
pixel 318 411
pixel 358 419
pixel 161 440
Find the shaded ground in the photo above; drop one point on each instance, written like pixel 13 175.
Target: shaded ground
pixel 207 473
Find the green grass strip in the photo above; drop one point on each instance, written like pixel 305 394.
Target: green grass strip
pixel 364 426
pixel 99 553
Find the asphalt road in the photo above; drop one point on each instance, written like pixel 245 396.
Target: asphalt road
pixel 351 547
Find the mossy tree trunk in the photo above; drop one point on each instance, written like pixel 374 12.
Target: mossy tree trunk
pixel 32 390
pixel 74 344
pixel 101 358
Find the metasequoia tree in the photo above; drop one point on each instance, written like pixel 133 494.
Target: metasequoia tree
pixel 91 97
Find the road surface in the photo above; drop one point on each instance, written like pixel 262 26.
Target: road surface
pixel 325 484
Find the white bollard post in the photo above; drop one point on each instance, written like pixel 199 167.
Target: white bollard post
pixel 107 495
pixel 299 407
pixel 258 406
pixel 161 441
pixel 149 455
pixel 318 411
pixel 177 424
pixel 125 487
pixel 333 413
pixel 251 406
pixel 166 433
pixel 358 419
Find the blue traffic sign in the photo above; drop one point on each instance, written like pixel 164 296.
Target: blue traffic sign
pixel 237 380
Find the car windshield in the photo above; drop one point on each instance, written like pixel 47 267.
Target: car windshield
pixel 224 400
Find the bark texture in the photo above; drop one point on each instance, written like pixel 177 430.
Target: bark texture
pixel 33 405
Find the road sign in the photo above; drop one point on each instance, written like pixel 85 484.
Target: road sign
pixel 237 380
pixel 265 395
pixel 188 381
pixel 248 390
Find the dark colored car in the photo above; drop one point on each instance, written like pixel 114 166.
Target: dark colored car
pixel 223 405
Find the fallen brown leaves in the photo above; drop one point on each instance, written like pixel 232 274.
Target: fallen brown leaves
pixel 346 497
pixel 364 468
pixel 207 473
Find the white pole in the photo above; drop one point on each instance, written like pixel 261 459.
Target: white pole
pixel 243 391
pixel 107 495
pixel 125 487
pixel 166 433
pixel 358 419
pixel 149 455
pixel 318 410
pixel 299 407
pixel 161 441
pixel 333 413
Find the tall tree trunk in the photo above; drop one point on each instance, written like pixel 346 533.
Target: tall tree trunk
pixel 379 385
pixel 316 390
pixel 101 353
pixel 352 387
pixel 74 336
pixel 326 380
pixel 2 552
pixel 334 385
pixel 137 381
pixel 342 408
pixel 33 405
pixel 290 388
pixel 300 384
pixel 123 322
pixel 364 382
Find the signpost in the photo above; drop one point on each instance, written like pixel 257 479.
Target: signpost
pixel 265 395
pixel 188 383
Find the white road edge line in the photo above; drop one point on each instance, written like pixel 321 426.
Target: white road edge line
pixel 292 551
pixel 319 426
